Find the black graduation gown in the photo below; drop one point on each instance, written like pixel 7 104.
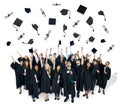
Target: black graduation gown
pixel 79 74
pixel 93 76
pixel 105 78
pixel 19 74
pixel 56 82
pixel 34 89
pixel 69 78
pixel 87 79
pixel 45 82
pixel 100 74
pixel 27 77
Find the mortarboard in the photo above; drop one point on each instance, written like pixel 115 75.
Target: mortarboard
pixel 27 10
pixel 91 39
pixel 31 50
pixel 65 12
pixel 110 48
pixel 8 43
pixel 71 43
pixel 31 41
pixel 21 36
pixel 102 13
pixel 35 27
pixel 90 22
pixel 81 9
pixel 76 23
pixel 94 50
pixel 17 23
pixel 103 41
pixel 76 35
pixel 64 28
pixel 52 21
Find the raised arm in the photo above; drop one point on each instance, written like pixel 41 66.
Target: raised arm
pixel 13 59
pixel 19 54
pixel 46 56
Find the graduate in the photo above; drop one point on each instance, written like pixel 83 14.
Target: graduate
pixel 94 72
pixel 19 70
pixel 87 79
pixel 26 73
pixel 100 73
pixel 69 80
pixel 45 82
pixel 79 73
pixel 56 82
pixel 105 77
pixel 35 76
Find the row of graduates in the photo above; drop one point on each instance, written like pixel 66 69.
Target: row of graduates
pixel 60 74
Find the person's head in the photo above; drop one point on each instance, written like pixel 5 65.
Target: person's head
pixel 72 57
pixel 107 63
pixel 68 64
pixel 26 63
pixel 21 63
pixel 77 61
pixel 50 57
pixel 47 68
pixel 94 62
pixel 88 65
pixel 36 67
pixel 58 68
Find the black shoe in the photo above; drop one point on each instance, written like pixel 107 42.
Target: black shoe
pixel 86 97
pixel 33 100
pixel 84 94
pixel 99 91
pixel 20 92
pixel 55 98
pixel 58 98
pixel 103 92
pixel 66 99
pixel 72 100
pixel 92 92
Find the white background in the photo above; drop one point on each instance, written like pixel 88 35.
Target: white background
pixel 8 93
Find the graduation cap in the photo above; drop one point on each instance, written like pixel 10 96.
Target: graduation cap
pixel 65 12
pixel 76 35
pixel 64 29
pixel 31 41
pixel 17 23
pixel 71 43
pixel 31 50
pixel 103 41
pixel 81 9
pixel 8 43
pixel 52 21
pixel 91 39
pixel 90 22
pixel 35 27
pixel 102 13
pixel 94 50
pixel 27 10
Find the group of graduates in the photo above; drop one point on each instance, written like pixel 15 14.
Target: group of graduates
pixel 59 74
